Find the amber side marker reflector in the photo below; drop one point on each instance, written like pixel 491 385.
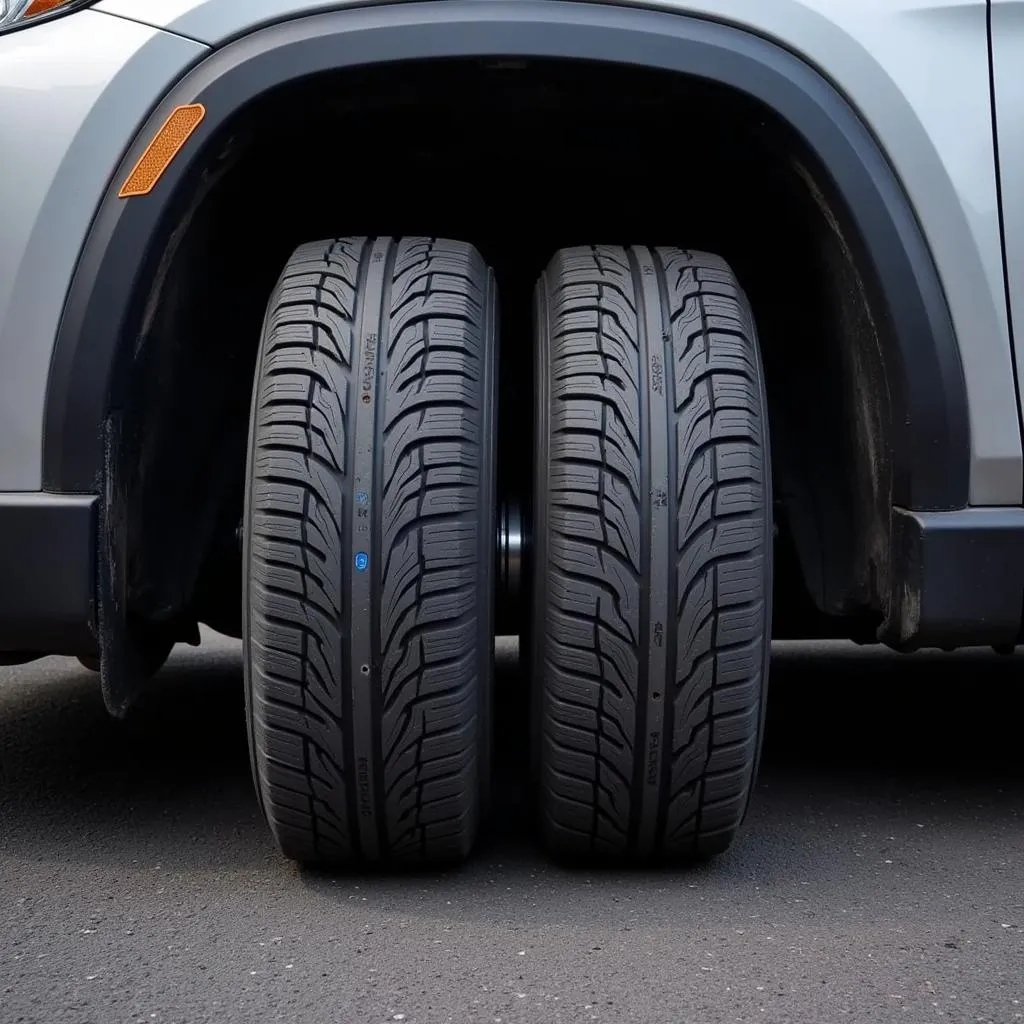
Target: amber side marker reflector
pixel 41 7
pixel 165 146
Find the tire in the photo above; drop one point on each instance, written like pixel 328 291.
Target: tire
pixel 369 551
pixel 653 534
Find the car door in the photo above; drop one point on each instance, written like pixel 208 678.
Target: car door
pixel 1007 36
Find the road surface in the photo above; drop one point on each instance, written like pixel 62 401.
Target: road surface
pixel 880 877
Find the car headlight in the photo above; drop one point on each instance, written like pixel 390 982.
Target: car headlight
pixel 22 13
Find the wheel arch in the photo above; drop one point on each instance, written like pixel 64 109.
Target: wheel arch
pixel 931 440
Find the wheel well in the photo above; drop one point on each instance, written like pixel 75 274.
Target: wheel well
pixel 519 157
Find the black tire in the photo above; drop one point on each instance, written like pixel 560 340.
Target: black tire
pixel 369 550
pixel 653 534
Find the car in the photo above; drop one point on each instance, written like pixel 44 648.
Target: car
pixel 649 333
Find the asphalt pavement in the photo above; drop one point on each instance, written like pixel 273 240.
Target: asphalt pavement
pixel 880 876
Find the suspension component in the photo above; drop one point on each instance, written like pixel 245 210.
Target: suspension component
pixel 511 552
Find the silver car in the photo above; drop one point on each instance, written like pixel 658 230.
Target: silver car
pixel 755 267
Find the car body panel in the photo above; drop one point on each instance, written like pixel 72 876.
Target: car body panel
pixel 73 93
pixel 917 71
pixel 1008 82
pixel 929 442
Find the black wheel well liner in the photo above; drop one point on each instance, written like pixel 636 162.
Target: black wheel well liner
pixel 93 350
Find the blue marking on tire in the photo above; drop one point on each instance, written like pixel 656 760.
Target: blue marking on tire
pixel 362 561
